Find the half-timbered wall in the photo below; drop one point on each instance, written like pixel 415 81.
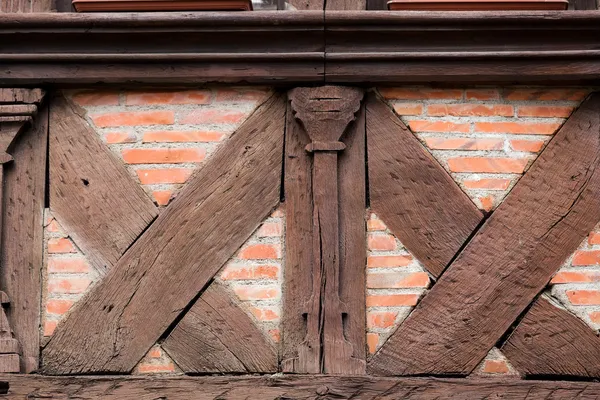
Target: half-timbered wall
pixel 485 137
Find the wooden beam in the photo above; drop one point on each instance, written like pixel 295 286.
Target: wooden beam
pixel 70 49
pixel 22 237
pixel 217 336
pixel 112 328
pixel 509 261
pixel 91 193
pixel 25 6
pixel 413 194
pixel 287 387
pixel 550 341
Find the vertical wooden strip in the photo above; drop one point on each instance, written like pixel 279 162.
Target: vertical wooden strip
pixel 22 241
pixel 349 5
pixel 353 251
pixel 298 239
pixel 551 341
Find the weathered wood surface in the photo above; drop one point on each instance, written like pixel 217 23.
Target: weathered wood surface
pixel 9 346
pixel 22 238
pixel 18 95
pixel 298 387
pixel 509 261
pixel 413 194
pixel 25 6
pixel 325 113
pixel 550 341
pixel 217 336
pixel 117 322
pixel 91 193
pixel 583 5
pixel 265 48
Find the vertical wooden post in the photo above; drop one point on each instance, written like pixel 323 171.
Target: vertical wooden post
pixel 325 113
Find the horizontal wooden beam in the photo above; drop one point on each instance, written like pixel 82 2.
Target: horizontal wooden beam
pixel 288 387
pixel 285 48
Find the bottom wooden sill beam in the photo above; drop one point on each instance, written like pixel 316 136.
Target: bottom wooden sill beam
pixel 285 387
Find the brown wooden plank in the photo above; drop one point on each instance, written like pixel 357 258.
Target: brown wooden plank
pixel 583 5
pixel 353 249
pixel 22 238
pixel 91 193
pixel 346 5
pixel 413 194
pixel 25 6
pixel 217 336
pixel 509 261
pixel 124 315
pixel 550 341
pixel 18 95
pixel 288 387
pixel 298 239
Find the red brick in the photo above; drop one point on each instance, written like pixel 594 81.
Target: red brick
pixel 240 95
pixel 532 146
pixel 168 97
pixel 68 265
pixel 167 175
pixel 487 203
pixel 381 242
pixel 470 110
pixel 146 368
pixel 421 94
pixel 68 285
pixel 163 156
pixel 388 261
pixel 120 137
pixel 408 108
pixel 487 164
pixel 482 94
pixel 440 143
pixel 54 227
pixel 60 245
pixel 545 111
pixel 275 335
pixel 488 184
pixel 162 197
pixel 595 317
pixel 155 352
pixel 392 300
pixel 583 257
pixel 58 306
pixel 594 238
pixel 261 251
pixel 576 277
pixel 265 314
pixel 252 292
pixel 49 327
pixel 372 342
pixel 386 280
pixel 495 367
pixel 279 212
pixel 518 128
pixel 438 126
pixel 384 319
pixel 375 225
pixel 584 297
pixel 545 94
pixel 97 98
pixel 182 136
pixel 134 118
pixel 203 116
pixel 246 272
pixel 270 229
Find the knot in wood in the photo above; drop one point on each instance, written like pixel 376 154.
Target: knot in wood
pixel 322 390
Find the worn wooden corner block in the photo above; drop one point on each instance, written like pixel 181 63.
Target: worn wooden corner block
pixel 9 363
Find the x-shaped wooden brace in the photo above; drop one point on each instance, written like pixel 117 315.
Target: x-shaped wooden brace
pixel 162 271
pixel 502 267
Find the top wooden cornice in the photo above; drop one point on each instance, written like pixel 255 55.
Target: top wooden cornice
pixel 308 47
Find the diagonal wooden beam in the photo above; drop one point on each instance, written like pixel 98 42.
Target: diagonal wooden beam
pixel 217 336
pixel 509 261
pixel 91 193
pixel 413 194
pixel 125 314
pixel 550 341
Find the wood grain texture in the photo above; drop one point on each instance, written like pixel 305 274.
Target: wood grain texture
pixel 25 6
pixel 413 194
pixel 340 5
pixel 583 5
pixel 509 261
pixel 117 322
pixel 18 95
pixel 217 336
pixel 550 341
pixel 22 238
pixel 92 195
pixel 297 387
